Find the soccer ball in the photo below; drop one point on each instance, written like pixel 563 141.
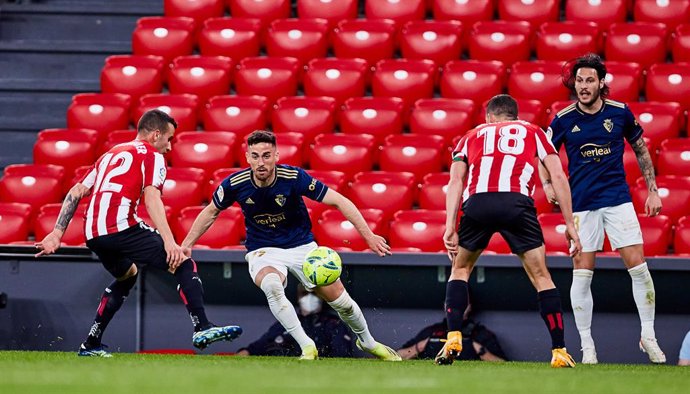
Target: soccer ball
pixel 322 266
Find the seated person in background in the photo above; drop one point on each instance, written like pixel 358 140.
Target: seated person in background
pixel 333 338
pixel 684 356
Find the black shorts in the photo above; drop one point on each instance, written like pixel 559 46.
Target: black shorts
pixel 138 244
pixel 513 215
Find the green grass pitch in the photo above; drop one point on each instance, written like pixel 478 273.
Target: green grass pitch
pixel 58 372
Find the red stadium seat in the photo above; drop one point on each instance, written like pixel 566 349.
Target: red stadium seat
pixel 533 12
pixel 625 80
pixel 309 116
pixel 217 178
pixel 33 184
pixel 378 116
pixel 349 153
pixel 681 241
pixel 334 230
pixel 554 109
pixel 507 42
pixel 674 157
pixel 337 78
pixel 432 194
pixel 441 116
pixel 183 187
pixel 528 110
pixel 227 230
pixel 238 114
pixel 303 39
pixel 659 120
pixel 603 13
pixel 409 80
pixel 371 40
pixel 669 82
pixel 656 234
pixel 473 79
pixel 264 10
pixel 182 107
pixel 420 228
pixel 538 80
pixel 640 42
pixel 207 151
pixel 498 245
pixel 132 75
pixel 199 10
pixel 236 38
pixel 560 41
pixel 78 175
pixel 15 222
pixel 670 13
pixel 397 11
pixel 102 112
pixel 541 203
pixel 48 215
pixel 553 227
pixel 69 148
pixel 116 137
pixel 335 180
pixel 168 37
pixel 674 192
pixel 467 12
pixel 438 41
pixel 680 44
pixel 271 77
pixel 203 76
pixel 332 11
pixel 414 153
pixel 387 191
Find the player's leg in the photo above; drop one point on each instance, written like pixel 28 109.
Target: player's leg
pixel 625 234
pixel 269 272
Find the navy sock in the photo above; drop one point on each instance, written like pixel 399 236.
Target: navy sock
pixel 112 299
pixel 457 299
pixel 552 313
pixel 192 293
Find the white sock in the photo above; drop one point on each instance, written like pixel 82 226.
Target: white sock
pixel 582 302
pixel 350 313
pixel 283 310
pixel 645 298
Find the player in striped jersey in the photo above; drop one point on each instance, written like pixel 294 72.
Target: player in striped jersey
pixel 497 159
pixel 121 240
pixel 279 236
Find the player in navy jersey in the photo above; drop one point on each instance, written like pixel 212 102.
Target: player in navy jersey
pixel 497 157
pixel 594 131
pixel 279 236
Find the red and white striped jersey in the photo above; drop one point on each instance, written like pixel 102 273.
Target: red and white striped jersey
pixel 500 156
pixel 117 181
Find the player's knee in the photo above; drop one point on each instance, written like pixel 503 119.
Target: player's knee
pixel 272 286
pixel 187 266
pixel 343 304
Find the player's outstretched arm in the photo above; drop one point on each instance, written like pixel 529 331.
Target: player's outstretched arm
pixel 453 196
pixel 562 190
pixel 201 224
pixel 652 205
pixel 156 209
pixel 376 242
pixel 51 242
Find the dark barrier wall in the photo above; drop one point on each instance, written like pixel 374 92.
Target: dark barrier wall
pixel 52 302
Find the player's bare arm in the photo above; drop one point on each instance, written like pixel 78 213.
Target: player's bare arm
pixel 652 206
pixel 546 183
pixel 376 242
pixel 156 209
pixel 453 196
pixel 51 242
pixel 201 224
pixel 562 191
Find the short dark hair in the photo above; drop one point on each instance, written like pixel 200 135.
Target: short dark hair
pixel 155 119
pixel 590 60
pixel 503 104
pixel 259 136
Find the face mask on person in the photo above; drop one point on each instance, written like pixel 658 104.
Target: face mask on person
pixel 309 304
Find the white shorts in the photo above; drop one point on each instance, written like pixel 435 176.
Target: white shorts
pixel 283 260
pixel 619 222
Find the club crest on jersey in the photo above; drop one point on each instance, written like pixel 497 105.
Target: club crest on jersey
pixel 280 199
pixel 220 193
pixel 608 125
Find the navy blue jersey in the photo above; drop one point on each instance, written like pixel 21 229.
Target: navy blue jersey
pixel 594 144
pixel 275 215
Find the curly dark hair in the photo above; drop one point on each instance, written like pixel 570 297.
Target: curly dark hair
pixel 590 60
pixel 259 136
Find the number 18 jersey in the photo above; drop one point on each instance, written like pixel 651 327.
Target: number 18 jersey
pixel 500 156
pixel 117 181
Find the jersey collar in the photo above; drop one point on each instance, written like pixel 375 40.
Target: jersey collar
pixel 275 178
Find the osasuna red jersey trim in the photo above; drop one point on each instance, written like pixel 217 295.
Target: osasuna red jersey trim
pixel 117 180
pixel 500 156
